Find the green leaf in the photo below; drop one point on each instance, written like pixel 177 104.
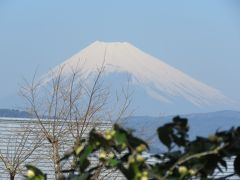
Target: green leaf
pixel 84 176
pixel 135 142
pixel 183 122
pixel 83 158
pixel 223 163
pixel 112 163
pixel 237 165
pixel 121 138
pixel 164 134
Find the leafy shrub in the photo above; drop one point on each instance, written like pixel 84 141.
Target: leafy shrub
pixel 119 149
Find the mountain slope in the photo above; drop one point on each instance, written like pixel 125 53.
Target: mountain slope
pixel 162 82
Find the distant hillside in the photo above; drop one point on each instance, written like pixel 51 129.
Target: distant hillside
pixel 201 124
pixel 14 113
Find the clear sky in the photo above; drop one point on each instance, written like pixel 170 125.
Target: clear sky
pixel 201 38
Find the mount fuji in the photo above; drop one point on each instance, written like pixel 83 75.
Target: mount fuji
pixel 158 87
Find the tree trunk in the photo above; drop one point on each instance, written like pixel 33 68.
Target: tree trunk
pixel 56 159
pixel 12 176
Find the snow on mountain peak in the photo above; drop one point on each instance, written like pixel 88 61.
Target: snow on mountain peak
pixel 159 80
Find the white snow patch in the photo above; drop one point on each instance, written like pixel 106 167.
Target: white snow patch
pixel 159 79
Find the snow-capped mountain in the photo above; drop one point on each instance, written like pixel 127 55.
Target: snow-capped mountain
pixel 165 85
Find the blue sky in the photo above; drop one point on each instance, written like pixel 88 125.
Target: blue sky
pixel 201 38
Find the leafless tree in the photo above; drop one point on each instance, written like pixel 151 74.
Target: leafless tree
pixel 17 148
pixel 66 107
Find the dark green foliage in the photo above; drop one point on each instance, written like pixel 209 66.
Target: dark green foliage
pixel 174 133
pixel 237 165
pixel 120 150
